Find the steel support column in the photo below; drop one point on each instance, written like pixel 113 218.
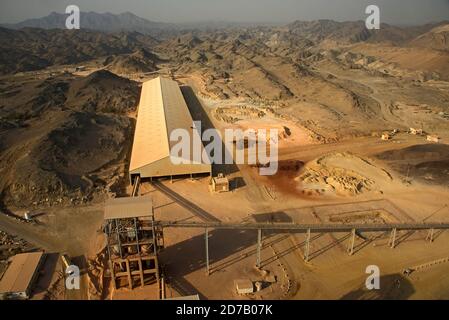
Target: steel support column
pixel 206 238
pixel 393 238
pixel 153 231
pixel 111 266
pixel 142 278
pixel 430 235
pixel 351 243
pixel 137 236
pixel 307 251
pixel 163 288
pixel 259 245
pixel 118 238
pixel 128 271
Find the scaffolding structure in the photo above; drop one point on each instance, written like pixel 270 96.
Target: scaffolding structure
pixel 133 241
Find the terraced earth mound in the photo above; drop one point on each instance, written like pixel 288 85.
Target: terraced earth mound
pixel 343 174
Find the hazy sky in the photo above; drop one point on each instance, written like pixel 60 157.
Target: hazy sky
pixel 392 11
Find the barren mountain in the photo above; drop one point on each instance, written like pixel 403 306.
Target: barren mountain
pixel 62 139
pixel 139 61
pixel 329 80
pixel 242 65
pixel 437 38
pixel 354 31
pixel 106 22
pixel 34 49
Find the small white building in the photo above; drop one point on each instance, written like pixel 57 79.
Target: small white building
pixel 433 138
pixel 415 131
pixel 220 183
pixel 244 286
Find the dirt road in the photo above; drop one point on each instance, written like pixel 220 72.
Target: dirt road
pixel 31 233
pixel 61 230
pixel 364 146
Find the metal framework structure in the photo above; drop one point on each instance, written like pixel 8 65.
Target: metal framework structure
pixel 133 242
pixel 308 229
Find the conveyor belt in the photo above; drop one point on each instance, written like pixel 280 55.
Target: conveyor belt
pixel 314 228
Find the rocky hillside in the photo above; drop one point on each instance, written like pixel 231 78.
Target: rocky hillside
pixel 63 140
pixel 136 62
pixel 105 22
pixel 437 38
pixel 34 49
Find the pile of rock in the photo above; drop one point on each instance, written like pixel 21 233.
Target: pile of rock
pixel 10 245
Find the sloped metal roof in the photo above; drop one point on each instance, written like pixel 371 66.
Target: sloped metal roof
pixel 128 207
pixel 20 272
pixel 162 108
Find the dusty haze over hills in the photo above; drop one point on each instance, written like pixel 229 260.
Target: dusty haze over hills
pixel 281 11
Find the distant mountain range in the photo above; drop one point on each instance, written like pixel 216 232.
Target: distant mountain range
pixel 355 31
pixel 127 42
pixel 313 30
pixel 34 48
pixel 106 22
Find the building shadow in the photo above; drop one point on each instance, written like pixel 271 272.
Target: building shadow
pixel 368 240
pixel 191 253
pixel 392 287
pixel 47 272
pixel 199 114
pixel 188 256
pixel 236 183
pixel 334 243
pixel 81 263
pixel 273 217
pixel 187 204
pixel 291 249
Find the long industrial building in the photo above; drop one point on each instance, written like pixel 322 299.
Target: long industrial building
pixel 161 110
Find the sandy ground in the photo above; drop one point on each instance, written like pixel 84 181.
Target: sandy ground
pixel 71 230
pixel 331 272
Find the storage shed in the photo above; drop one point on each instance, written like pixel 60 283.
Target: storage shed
pixel 220 183
pixel 18 280
pixel 162 109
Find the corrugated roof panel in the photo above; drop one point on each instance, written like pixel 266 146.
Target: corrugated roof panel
pixel 162 109
pixel 150 137
pixel 20 272
pixel 128 207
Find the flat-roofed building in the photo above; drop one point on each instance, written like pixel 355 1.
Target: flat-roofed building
pixel 18 280
pixel 128 207
pixel 162 109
